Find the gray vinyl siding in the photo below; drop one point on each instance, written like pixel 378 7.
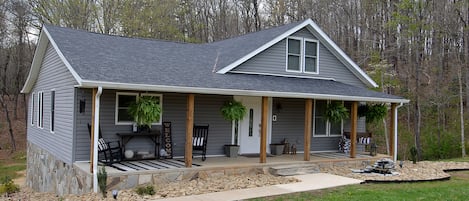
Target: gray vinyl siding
pixel 54 75
pixel 82 137
pixel 273 61
pixel 290 125
pixel 174 110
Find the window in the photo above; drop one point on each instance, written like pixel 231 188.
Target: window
pixel 32 108
pixel 123 101
pixel 302 55
pixel 40 109
pixel 323 127
pixel 52 111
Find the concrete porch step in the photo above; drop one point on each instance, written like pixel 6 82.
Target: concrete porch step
pixel 296 169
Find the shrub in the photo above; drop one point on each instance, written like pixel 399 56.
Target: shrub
pixel 145 190
pixel 102 179
pixel 413 154
pixel 8 187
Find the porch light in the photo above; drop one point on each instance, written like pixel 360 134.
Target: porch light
pixel 114 194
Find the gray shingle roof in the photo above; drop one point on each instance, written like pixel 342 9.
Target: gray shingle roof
pixel 114 59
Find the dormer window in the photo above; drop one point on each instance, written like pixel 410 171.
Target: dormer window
pixel 302 55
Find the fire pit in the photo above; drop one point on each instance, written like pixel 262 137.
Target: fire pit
pixel 382 166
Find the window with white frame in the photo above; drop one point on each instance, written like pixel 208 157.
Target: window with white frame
pixel 322 126
pixel 124 100
pixel 302 55
pixel 40 109
pixel 33 95
pixel 52 111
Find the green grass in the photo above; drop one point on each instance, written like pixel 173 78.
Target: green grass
pixel 453 189
pixel 9 167
pixel 465 159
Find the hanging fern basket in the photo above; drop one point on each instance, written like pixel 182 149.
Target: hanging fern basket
pixel 373 112
pixel 233 110
pixel 336 112
pixel 146 110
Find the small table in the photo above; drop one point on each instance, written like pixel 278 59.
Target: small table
pixel 154 136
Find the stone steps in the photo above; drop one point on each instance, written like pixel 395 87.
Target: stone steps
pixel 296 169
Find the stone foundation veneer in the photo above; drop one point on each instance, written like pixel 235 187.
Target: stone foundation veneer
pixel 46 173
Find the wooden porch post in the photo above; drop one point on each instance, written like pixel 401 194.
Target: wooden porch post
pixel 264 118
pixel 353 129
pixel 93 100
pixel 308 122
pixel 391 129
pixel 189 130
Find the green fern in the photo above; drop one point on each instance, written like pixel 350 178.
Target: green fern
pixel 373 112
pixel 146 110
pixel 336 111
pixel 233 110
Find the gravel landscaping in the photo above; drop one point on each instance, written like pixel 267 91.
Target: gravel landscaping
pixel 409 172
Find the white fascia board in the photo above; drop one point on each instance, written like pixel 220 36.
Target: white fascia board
pixel 262 48
pixel 39 56
pixel 234 92
pixel 62 57
pixel 36 64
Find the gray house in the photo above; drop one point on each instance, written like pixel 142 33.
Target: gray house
pixel 285 76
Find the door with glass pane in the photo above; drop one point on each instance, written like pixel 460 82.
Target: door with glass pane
pixel 249 127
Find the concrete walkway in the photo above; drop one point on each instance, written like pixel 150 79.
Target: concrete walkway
pixel 308 182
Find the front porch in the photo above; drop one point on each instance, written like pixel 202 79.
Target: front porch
pixel 219 166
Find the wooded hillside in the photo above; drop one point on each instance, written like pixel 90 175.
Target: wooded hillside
pixel 418 49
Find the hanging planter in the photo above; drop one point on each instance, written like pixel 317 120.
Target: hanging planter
pixel 373 112
pixel 233 110
pixel 146 110
pixel 336 112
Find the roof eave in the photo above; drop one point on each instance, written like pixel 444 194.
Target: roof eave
pixel 240 92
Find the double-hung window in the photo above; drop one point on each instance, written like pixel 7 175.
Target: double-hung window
pixel 124 100
pixel 302 55
pixel 322 126
pixel 52 111
pixel 33 107
pixel 40 109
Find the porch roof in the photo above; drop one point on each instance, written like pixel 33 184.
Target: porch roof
pixel 115 62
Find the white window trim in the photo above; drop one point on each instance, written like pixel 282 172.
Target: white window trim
pixel 40 109
pixel 137 95
pixel 116 113
pixel 52 117
pixel 302 55
pixel 328 125
pixel 32 108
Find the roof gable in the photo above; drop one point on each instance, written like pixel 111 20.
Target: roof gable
pixel 321 36
pixel 44 39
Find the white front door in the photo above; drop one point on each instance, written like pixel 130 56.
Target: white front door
pixel 250 126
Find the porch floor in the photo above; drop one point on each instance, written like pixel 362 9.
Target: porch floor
pixel 149 166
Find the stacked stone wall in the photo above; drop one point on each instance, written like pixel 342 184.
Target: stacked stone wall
pixel 46 173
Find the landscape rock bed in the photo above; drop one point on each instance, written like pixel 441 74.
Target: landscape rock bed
pixel 422 171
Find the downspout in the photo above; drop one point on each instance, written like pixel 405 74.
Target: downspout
pixel 96 137
pixel 395 131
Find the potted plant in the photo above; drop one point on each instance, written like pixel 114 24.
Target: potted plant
pixel 373 112
pixel 277 148
pixel 146 110
pixel 233 111
pixel 336 112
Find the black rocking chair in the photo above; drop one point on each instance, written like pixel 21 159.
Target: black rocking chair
pixel 199 140
pixel 112 151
